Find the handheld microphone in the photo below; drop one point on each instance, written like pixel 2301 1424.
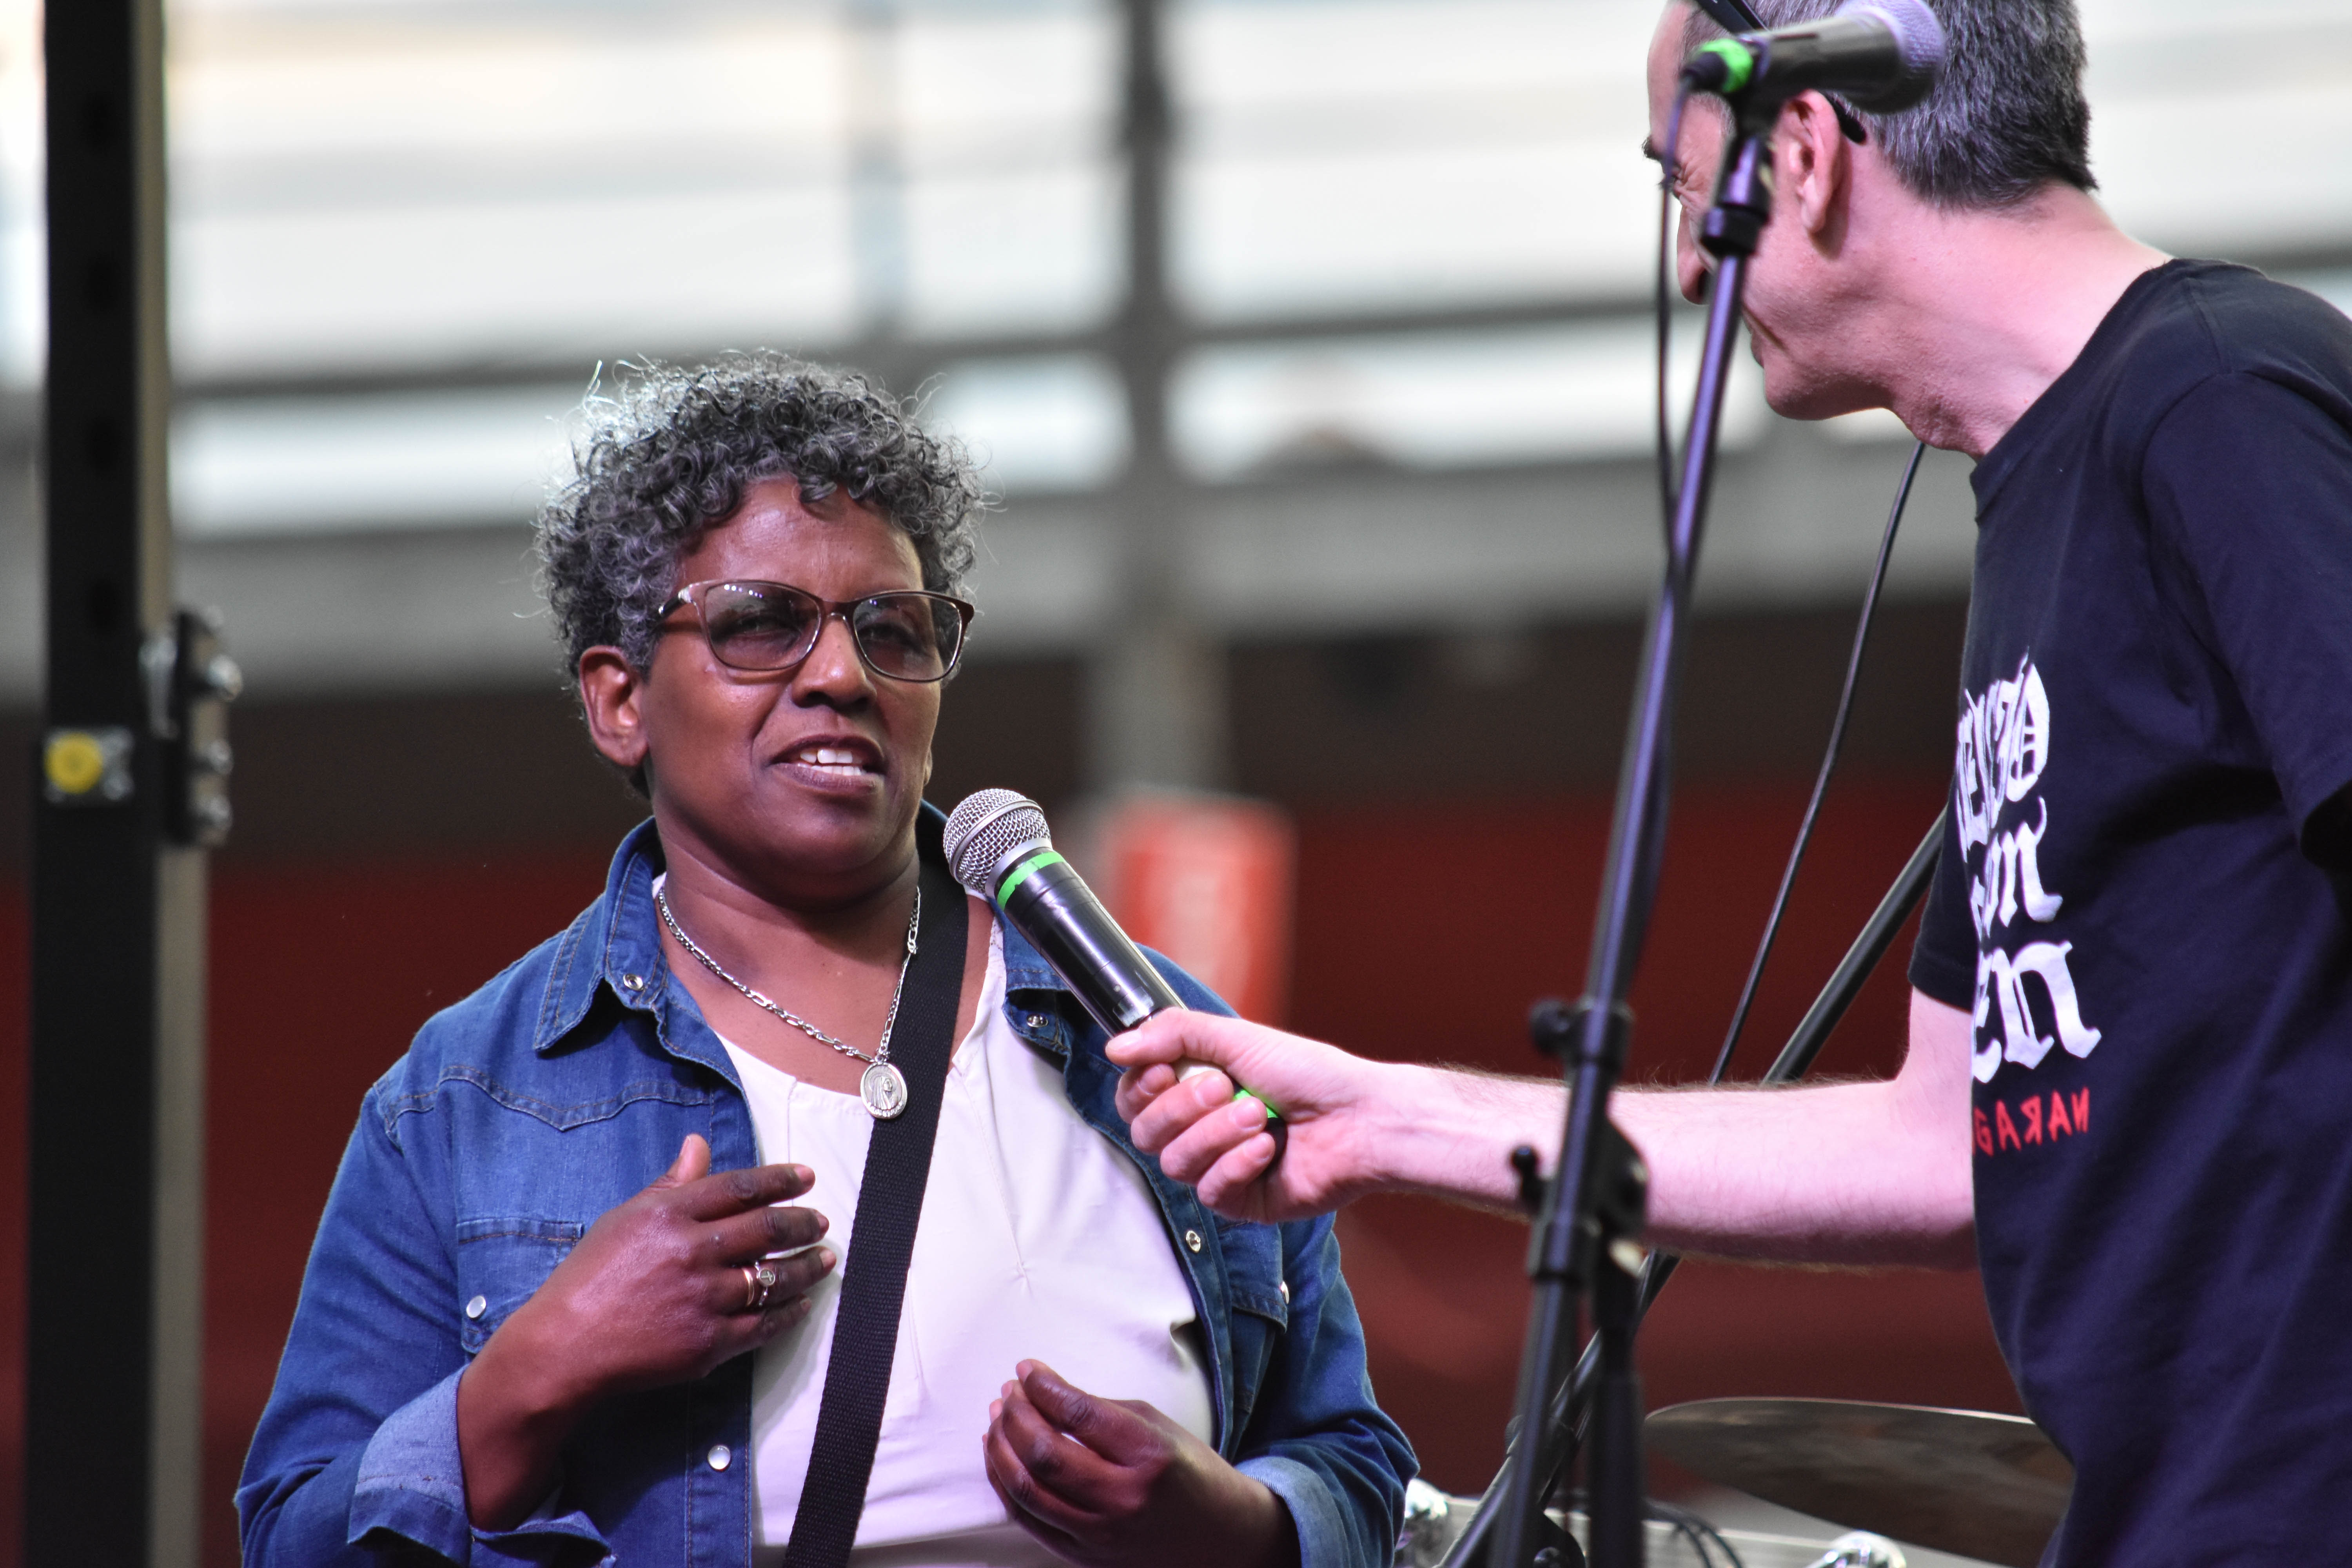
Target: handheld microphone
pixel 1000 848
pixel 1879 55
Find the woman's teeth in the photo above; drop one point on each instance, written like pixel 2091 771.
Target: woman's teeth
pixel 828 757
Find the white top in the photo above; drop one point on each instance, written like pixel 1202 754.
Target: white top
pixel 1038 1239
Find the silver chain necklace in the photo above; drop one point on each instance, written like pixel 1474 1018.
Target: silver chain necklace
pixel 882 1085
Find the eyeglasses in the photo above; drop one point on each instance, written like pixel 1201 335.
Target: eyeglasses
pixel 772 627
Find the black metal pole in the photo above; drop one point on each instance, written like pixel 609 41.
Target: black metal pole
pixel 1812 1031
pixel 1155 706
pixel 1571 1244
pixel 116 1253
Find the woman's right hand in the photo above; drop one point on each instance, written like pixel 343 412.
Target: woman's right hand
pixel 653 1294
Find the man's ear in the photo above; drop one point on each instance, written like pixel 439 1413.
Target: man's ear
pixel 609 695
pixel 1815 168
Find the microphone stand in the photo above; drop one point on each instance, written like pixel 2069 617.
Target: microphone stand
pixel 1585 1238
pixel 1564 1427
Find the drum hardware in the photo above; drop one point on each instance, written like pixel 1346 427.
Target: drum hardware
pixel 1860 1549
pixel 1430 1523
pixel 1963 1481
pixel 1434 1520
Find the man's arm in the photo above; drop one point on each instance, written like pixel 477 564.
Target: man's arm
pixel 1857 1172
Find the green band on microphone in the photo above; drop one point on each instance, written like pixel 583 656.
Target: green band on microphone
pixel 1023 871
pixel 1738 61
pixel 1272 1115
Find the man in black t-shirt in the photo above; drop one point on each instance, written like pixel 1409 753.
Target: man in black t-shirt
pixel 2140 905
pixel 2128 1092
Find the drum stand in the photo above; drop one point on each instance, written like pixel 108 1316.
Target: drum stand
pixel 1591 1209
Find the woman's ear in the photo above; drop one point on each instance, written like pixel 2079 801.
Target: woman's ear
pixel 609 695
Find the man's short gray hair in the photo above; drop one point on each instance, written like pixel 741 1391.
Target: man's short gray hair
pixel 670 452
pixel 2006 119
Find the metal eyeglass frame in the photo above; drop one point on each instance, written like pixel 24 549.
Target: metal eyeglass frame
pixel 829 610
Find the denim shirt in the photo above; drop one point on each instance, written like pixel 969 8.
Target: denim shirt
pixel 561 1089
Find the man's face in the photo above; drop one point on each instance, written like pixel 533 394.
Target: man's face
pixel 1795 299
pixel 1699 155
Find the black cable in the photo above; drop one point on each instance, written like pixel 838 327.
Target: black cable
pixel 1732 16
pixel 1706 1541
pixel 1828 766
pixel 1665 298
pixel 1695 1529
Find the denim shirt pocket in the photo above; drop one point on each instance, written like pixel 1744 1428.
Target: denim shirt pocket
pixel 1261 1308
pixel 501 1262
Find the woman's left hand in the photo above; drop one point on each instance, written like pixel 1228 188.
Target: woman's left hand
pixel 1113 1483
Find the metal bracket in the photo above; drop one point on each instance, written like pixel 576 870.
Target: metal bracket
pixel 1558 1029
pixel 190 684
pixel 1734 225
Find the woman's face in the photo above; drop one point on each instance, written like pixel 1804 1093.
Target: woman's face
pixel 803 784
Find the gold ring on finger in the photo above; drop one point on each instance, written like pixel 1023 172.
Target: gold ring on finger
pixel 750 1289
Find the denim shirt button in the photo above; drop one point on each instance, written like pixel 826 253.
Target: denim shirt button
pixel 633 981
pixel 1192 1241
pixel 1035 1020
pixel 1284 1285
pixel 721 1456
pixel 475 1308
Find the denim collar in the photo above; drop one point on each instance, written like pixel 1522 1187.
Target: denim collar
pixel 616 945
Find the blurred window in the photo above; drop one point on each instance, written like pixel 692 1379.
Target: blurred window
pixel 412 226
pixel 1442 400
pixel 275 464
pixel 1399 153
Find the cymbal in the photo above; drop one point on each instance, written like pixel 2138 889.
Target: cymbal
pixel 1978 1484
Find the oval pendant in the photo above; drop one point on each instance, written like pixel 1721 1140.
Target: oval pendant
pixel 883 1088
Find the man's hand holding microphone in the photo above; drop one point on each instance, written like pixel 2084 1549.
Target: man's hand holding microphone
pixel 1218 1099
pixel 1355 1126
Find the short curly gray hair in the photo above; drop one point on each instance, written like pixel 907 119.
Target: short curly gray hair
pixel 670 453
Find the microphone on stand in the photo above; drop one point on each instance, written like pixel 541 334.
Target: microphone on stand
pixel 999 848
pixel 1879 55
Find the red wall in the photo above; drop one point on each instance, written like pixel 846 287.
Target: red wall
pixel 1425 931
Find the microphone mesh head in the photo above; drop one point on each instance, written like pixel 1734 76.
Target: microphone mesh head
pixel 990 826
pixel 1918 38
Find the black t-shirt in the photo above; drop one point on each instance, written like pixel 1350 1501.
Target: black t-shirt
pixel 2157 698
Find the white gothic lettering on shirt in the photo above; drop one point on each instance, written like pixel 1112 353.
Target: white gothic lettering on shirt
pixel 2003 750
pixel 2011 877
pixel 2004 745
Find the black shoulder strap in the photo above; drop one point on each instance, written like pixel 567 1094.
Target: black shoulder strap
pixel 882 1240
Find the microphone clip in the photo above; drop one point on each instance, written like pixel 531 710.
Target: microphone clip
pixel 1558 1029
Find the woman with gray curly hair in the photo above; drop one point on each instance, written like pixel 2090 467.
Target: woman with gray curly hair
pixel 575 1296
